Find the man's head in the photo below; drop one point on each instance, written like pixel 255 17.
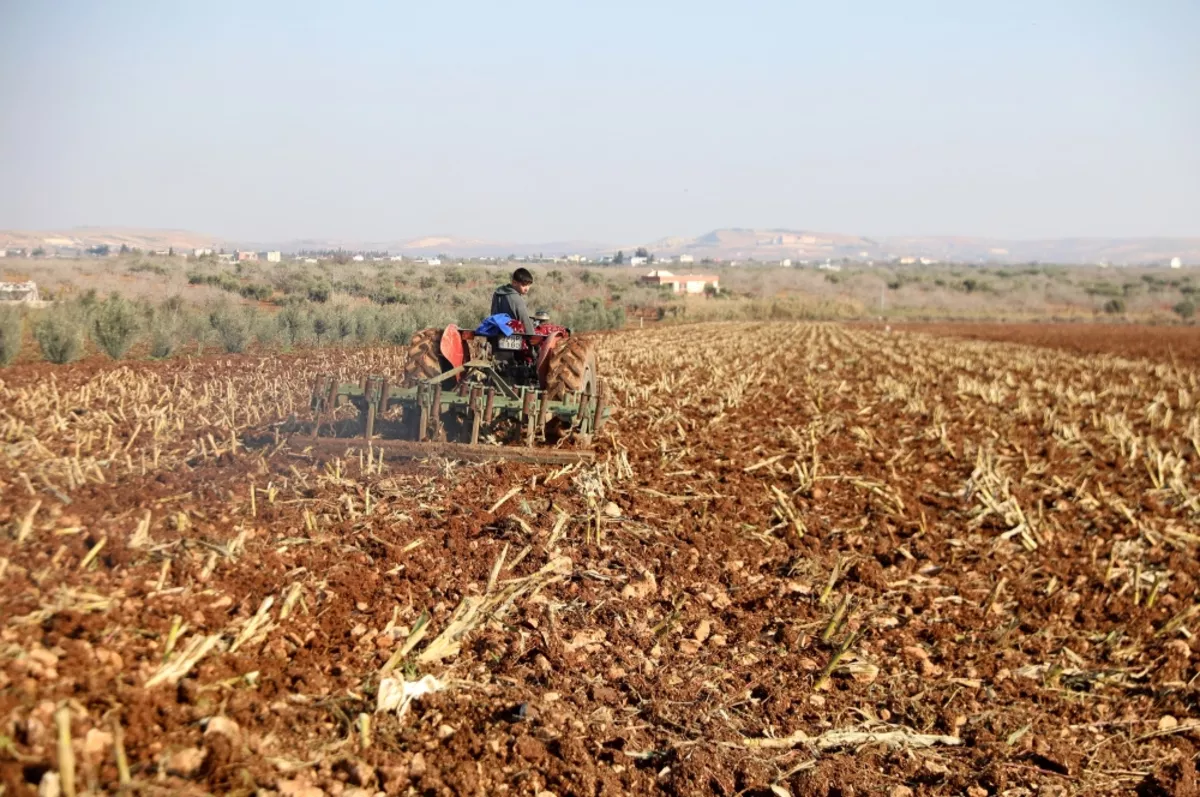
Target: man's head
pixel 521 280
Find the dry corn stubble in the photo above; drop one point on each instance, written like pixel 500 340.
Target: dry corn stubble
pixel 829 544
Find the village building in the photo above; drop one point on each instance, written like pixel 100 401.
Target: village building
pixel 682 283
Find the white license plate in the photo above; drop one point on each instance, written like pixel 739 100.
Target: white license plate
pixel 512 343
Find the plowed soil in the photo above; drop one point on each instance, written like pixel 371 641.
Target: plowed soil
pixel 807 561
pixel 1161 343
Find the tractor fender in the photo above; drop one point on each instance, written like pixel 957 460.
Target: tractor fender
pixel 452 346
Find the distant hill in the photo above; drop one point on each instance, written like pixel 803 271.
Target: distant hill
pixel 778 244
pixel 726 244
pixel 85 237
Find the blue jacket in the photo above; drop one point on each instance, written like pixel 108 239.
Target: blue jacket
pixel 497 324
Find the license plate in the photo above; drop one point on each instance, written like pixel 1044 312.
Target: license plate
pixel 511 343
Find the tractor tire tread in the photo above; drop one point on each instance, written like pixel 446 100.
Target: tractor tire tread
pixel 424 358
pixel 568 367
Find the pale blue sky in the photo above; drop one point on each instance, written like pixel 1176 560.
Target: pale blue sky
pixel 609 121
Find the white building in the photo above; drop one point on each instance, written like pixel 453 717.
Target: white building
pixel 358 258
pixel 785 262
pixel 201 252
pixel 636 261
pixel 434 261
pixel 23 292
pixel 1176 263
pixel 682 283
pixel 686 259
pixel 274 257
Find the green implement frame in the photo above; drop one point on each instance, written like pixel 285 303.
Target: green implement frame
pixel 477 398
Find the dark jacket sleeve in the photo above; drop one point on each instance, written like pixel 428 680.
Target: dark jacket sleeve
pixel 513 304
pixel 521 312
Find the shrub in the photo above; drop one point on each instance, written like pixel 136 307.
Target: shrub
pixel 233 328
pixel 318 292
pixel 366 325
pixel 256 291
pixel 166 330
pixel 470 314
pixel 11 326
pixel 115 326
pixel 343 324
pixel 59 334
pixel 291 323
pixel 591 314
pixel 320 326
pixel 1185 310
pixel 1114 306
pixel 143 266
pixel 265 329
pixel 397 328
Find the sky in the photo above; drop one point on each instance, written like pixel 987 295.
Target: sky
pixel 609 122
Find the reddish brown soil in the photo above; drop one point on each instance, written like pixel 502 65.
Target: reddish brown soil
pixel 765 502
pixel 1179 344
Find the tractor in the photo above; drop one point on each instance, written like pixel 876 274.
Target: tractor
pixel 526 396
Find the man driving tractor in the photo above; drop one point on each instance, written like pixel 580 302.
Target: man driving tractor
pixel 510 299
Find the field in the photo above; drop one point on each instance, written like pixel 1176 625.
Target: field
pixel 1176 344
pixel 810 560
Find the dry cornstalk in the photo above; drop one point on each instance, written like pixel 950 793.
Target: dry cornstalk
pixel 171 672
pixel 26 526
pixel 254 624
pixel 823 678
pixel 123 777
pixel 66 754
pixel 503 499
pixel 896 737
pixel 93 553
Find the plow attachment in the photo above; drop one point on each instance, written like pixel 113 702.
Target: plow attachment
pixel 469 412
pixel 408 449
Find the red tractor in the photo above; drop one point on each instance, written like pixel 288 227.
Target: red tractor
pixel 460 388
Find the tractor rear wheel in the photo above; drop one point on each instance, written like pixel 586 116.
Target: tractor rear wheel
pixel 573 367
pixel 424 356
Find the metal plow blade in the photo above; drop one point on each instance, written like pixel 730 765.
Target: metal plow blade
pixel 465 452
pixel 450 415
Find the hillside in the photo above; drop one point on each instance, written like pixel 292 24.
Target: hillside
pixel 777 244
pixel 730 243
pixel 84 237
